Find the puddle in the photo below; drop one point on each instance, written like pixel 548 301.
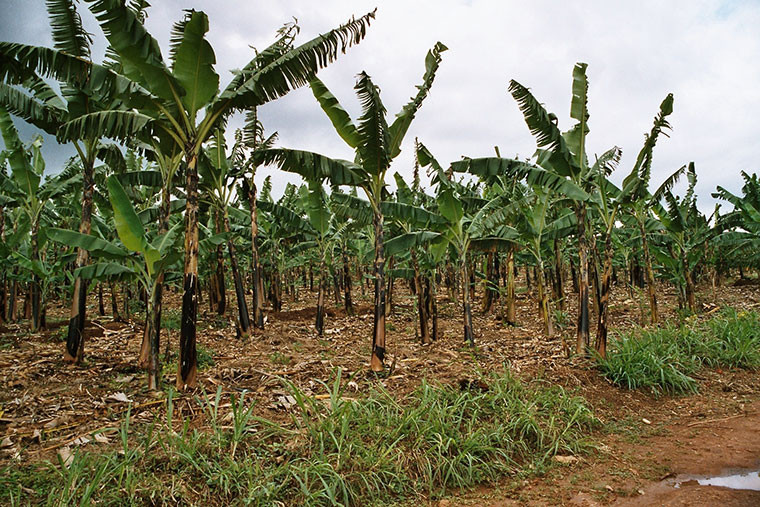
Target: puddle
pixel 749 480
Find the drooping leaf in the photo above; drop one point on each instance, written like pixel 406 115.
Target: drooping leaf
pixel 128 224
pixel 96 246
pixel 139 53
pixel 292 69
pixel 68 31
pixel 404 118
pixel 312 166
pixel 374 147
pixel 338 116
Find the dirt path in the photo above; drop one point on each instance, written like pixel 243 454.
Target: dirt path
pixel 653 445
pixel 705 449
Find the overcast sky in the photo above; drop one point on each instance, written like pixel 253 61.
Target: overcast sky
pixel 706 52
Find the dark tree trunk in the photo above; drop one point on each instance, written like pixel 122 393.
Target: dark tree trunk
pixel 114 303
pixel 221 294
pixel 101 306
pixel 244 321
pixel 75 337
pixel 153 326
pixel 389 289
pixel 422 304
pixel 378 333
pixel 466 309
pixel 149 350
pixel 604 301
pixel 188 361
pixel 433 306
pixel 320 321
pixel 347 285
pixel 560 286
pixel 35 287
pixel 582 338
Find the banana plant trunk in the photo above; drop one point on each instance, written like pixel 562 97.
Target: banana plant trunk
pixel 114 303
pixel 511 311
pixel 378 333
pixel 153 332
pixel 432 304
pixel 347 285
pixel 466 309
pixel 491 282
pixel 187 368
pixel 689 279
pixel 244 320
pixel 74 352
pixel 651 288
pixel 258 282
pixel 35 288
pixel 389 289
pixel 558 275
pixel 221 289
pixel 543 299
pixel 320 320
pixel 101 305
pixel 604 300
pixel 582 337
pixel 422 303
pixel 153 321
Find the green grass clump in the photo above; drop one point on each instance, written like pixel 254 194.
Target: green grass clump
pixel 664 359
pixel 335 452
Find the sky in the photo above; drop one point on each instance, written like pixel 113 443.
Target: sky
pixel 705 52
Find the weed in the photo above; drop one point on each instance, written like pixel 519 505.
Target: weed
pixel 664 359
pixel 336 451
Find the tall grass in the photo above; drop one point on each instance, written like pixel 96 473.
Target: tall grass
pixel 663 360
pixel 335 452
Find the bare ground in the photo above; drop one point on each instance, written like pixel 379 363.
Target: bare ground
pixel 46 405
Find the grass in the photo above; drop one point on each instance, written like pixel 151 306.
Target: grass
pixel 663 360
pixel 334 452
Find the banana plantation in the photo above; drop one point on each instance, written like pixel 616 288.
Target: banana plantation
pixel 174 330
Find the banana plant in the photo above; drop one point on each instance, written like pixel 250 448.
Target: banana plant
pixel 86 89
pixel 687 231
pixel 168 102
pixel 141 258
pixel 26 190
pixel 376 144
pixel 740 236
pixel 218 179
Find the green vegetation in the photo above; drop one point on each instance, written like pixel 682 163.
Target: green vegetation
pixel 664 359
pixel 337 451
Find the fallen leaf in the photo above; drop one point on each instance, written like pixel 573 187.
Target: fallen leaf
pixel 66 456
pixel 7 442
pixel 125 378
pixel 83 440
pixel 565 459
pixel 101 438
pixel 120 397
